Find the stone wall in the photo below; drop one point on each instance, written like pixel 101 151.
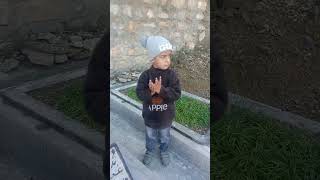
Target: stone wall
pixel 184 22
pixel 51 16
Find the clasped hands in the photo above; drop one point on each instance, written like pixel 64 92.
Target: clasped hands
pixel 156 86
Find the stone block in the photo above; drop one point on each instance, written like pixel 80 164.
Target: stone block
pixel 150 14
pixel 202 5
pixel 39 58
pixel 114 9
pixel 178 3
pixel 58 59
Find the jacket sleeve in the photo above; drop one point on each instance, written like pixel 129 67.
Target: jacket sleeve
pixel 173 91
pixel 220 93
pixel 95 86
pixel 142 89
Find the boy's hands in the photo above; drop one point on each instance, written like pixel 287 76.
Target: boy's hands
pixel 151 87
pixel 156 86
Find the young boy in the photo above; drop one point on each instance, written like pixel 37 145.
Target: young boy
pixel 158 88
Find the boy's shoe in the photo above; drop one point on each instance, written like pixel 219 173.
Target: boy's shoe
pixel 165 158
pixel 148 157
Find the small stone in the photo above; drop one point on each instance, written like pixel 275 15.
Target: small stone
pixel 163 15
pixel 199 16
pixel 8 65
pixel 190 45
pixel 90 44
pixel 112 81
pixel 75 38
pixel 163 2
pixel 201 27
pixel 192 4
pixel 150 14
pixel 127 11
pixel 78 44
pixel 114 9
pixel 46 36
pixel 188 37
pixel 77 56
pixel 149 25
pixel 131 26
pixel 202 5
pixel 39 58
pixel 201 36
pixel 148 1
pixel 164 24
pixel 125 73
pixel 122 80
pixel 58 59
pixel 245 17
pixel 131 52
pixel 18 56
pixel 178 3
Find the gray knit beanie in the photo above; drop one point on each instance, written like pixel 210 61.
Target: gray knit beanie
pixel 155 45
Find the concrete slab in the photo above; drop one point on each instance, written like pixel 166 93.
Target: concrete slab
pixel 185 147
pixel 291 119
pixel 132 140
pixel 32 150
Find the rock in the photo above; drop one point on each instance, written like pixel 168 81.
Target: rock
pixel 163 15
pixel 75 39
pixel 39 58
pixel 46 36
pixel 201 36
pixel 58 59
pixel 178 3
pixel 199 16
pixel 79 55
pixel 78 44
pixel 245 17
pixel 43 47
pixel 18 56
pixel 113 82
pixel 90 44
pixel 150 14
pixel 114 9
pixel 8 65
pixel 125 73
pixel 6 48
pixel 122 80
pixel 308 42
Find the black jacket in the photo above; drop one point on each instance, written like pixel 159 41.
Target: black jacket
pixel 220 94
pixel 159 109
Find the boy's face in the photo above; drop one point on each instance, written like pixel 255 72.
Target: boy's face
pixel 163 60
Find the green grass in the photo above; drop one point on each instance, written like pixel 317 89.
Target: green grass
pixel 189 112
pixel 67 98
pixel 246 145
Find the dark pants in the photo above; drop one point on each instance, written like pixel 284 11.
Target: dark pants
pixel 153 136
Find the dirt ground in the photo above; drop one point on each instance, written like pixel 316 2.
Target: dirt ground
pixel 271 53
